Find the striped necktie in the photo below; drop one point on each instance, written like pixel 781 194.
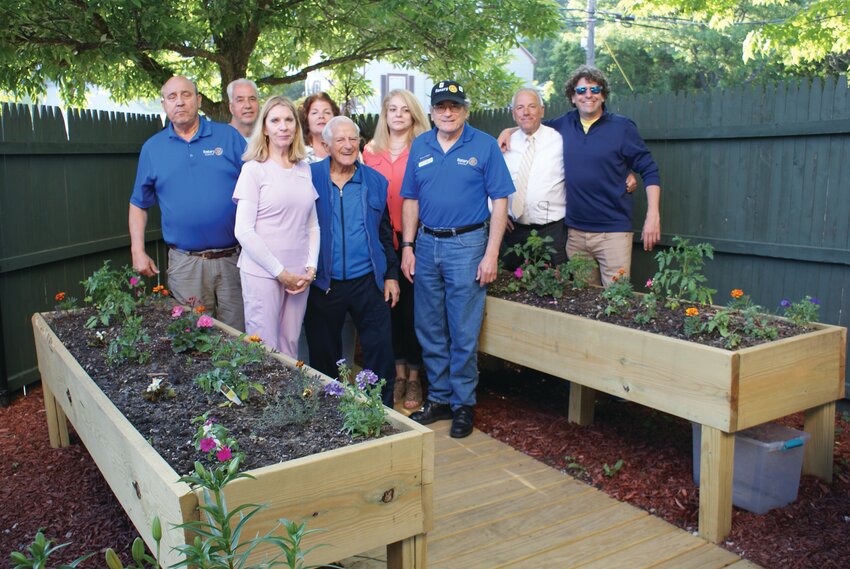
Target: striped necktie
pixel 518 204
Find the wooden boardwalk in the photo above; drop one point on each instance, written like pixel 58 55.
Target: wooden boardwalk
pixel 495 507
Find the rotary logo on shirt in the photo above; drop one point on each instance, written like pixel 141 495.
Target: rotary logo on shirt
pixel 472 161
pixel 217 151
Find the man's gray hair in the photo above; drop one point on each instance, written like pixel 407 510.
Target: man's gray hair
pixel 236 82
pixel 528 90
pixel 328 131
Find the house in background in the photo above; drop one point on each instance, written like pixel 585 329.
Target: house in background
pixel 384 77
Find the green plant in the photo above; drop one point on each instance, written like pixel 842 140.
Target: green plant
pixel 189 330
pixel 580 267
pixel 573 465
pixel 214 439
pixel 113 293
pixel 801 313
pixel 693 324
pixel 64 302
pixel 536 274
pixel 36 555
pixel 126 345
pixel 618 294
pixel 611 471
pixel 647 309
pixel 360 401
pixel 159 390
pixel 298 407
pixel 679 275
pixel 229 358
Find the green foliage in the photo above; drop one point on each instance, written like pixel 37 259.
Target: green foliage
pixel 37 554
pixel 679 275
pixel 113 293
pixel 214 439
pixel 803 312
pixel 536 274
pixel 359 401
pixel 185 333
pixel 132 46
pixel 647 309
pixel 580 267
pixel 229 358
pixel 618 295
pixel 295 409
pixel 159 390
pixel 611 471
pixel 126 345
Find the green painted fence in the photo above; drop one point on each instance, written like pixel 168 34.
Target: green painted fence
pixel 762 173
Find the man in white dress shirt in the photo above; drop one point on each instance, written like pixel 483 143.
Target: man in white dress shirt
pixel 536 163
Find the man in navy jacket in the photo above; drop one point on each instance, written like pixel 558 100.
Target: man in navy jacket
pixel 357 270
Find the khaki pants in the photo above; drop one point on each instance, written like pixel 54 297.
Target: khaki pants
pixel 215 282
pixel 613 251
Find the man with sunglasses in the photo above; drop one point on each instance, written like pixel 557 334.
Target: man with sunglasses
pixel 600 148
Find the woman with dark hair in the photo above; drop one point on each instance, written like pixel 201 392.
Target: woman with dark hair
pixel 401 120
pixel 277 226
pixel 314 114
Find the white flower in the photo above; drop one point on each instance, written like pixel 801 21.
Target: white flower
pixel 155 385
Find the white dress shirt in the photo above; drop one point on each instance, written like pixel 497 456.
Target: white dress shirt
pixel 546 197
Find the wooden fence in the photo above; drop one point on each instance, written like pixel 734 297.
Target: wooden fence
pixel 761 173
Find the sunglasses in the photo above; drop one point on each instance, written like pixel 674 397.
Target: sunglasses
pixel 596 89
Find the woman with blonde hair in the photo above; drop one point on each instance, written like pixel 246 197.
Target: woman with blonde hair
pixel 401 120
pixel 277 226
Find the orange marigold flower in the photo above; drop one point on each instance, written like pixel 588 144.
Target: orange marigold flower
pixel 158 288
pixel 255 338
pixel 737 293
pixel 164 292
pixel 691 312
pixel 615 278
pixel 299 363
pixel 621 272
pixel 200 308
pixel 60 296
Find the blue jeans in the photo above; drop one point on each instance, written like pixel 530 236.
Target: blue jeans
pixel 449 308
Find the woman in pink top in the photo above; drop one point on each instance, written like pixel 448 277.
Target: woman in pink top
pixel 276 225
pixel 402 119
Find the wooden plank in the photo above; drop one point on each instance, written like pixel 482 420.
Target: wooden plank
pixel 407 554
pixel 717 454
pixel 819 422
pixel 662 547
pixel 57 423
pixel 705 556
pixel 582 401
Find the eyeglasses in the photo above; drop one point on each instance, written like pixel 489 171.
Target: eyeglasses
pixel 596 89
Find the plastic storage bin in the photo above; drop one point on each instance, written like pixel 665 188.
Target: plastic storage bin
pixel 768 462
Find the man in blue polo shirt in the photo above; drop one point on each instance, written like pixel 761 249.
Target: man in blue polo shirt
pixel 451 172
pixel 190 169
pixel 357 270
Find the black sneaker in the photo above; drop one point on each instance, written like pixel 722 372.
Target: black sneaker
pixel 462 422
pixel 432 412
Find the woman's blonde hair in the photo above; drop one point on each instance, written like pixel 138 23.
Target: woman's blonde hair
pixel 381 140
pixel 258 144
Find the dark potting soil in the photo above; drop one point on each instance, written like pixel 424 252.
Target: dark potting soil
pixel 589 303
pixel 166 424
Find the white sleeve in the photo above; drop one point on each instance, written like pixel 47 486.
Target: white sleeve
pixel 314 238
pixel 253 244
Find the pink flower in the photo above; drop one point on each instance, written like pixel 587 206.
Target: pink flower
pixel 224 454
pixel 177 311
pixel 207 444
pixel 134 281
pixel 205 322
pixel 518 272
pixel 649 283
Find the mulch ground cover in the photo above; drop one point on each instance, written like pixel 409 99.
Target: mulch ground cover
pixel 62 491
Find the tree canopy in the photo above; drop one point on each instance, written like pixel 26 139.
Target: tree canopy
pixel 131 47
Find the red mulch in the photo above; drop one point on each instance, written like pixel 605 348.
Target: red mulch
pixel 62 491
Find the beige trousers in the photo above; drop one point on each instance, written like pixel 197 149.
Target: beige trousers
pixel 613 251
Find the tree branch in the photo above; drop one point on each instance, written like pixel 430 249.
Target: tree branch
pixel 302 74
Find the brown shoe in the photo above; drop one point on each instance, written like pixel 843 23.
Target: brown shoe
pixel 413 399
pixel 399 390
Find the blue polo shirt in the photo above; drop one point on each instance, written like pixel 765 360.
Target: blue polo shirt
pixel 452 187
pixel 193 184
pixel 349 249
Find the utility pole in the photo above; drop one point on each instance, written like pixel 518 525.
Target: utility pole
pixel 591 23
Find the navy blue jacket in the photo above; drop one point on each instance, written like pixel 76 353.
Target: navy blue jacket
pixel 379 232
pixel 595 168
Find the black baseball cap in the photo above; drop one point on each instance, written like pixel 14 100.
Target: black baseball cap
pixel 447 91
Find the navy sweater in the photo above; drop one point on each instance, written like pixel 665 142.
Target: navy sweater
pixel 595 167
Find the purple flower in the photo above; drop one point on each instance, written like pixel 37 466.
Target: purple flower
pixel 210 421
pixel 367 376
pixel 224 454
pixel 205 322
pixel 518 272
pixel 207 444
pixel 814 301
pixel 334 388
pixel 340 362
pixel 177 311
pixel 785 303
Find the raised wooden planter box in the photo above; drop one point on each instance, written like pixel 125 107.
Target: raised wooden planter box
pixel 725 391
pixel 363 496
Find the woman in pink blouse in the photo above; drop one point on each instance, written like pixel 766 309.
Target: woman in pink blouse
pixel 402 119
pixel 276 225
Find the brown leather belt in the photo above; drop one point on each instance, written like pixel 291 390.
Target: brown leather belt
pixel 209 254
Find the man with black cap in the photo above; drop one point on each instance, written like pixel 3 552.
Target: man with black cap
pixel 451 172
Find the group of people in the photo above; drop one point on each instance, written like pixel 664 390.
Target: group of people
pixel 283 228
